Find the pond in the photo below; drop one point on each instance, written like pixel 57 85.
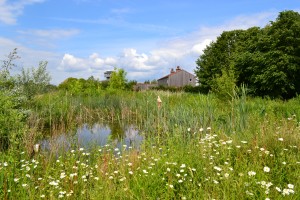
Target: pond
pixel 96 135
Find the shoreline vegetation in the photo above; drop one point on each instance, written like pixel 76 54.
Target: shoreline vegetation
pixel 195 147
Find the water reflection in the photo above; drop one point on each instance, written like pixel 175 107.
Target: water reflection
pixel 89 136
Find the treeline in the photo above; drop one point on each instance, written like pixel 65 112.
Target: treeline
pixel 265 60
pixel 92 86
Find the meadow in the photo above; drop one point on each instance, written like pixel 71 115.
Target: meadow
pixel 195 147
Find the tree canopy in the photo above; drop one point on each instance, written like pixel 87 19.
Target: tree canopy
pixel 266 60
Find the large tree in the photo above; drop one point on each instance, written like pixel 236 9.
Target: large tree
pixel 266 60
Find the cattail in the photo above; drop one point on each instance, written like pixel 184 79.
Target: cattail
pixel 158 102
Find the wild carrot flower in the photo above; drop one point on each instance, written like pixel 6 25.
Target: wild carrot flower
pixel 251 173
pixel 218 168
pixel 266 169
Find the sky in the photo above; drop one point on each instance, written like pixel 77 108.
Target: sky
pixel 83 38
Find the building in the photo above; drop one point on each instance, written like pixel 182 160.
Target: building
pixel 107 74
pixel 144 86
pixel 178 78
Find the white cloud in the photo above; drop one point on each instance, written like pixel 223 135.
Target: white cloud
pixel 198 48
pixel 10 11
pixel 94 62
pixel 51 33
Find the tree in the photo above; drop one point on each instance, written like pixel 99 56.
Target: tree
pixel 6 80
pixel 118 80
pixel 217 56
pixel 34 81
pixel 266 60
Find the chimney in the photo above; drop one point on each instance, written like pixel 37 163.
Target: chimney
pixel 172 71
pixel 178 68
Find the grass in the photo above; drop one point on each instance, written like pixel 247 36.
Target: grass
pixel 195 147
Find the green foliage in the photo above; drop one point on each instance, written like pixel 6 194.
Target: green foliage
pixel 224 86
pixel 7 82
pixel 130 84
pixel 81 86
pixel 266 60
pixel 11 120
pixel 34 81
pixel 118 80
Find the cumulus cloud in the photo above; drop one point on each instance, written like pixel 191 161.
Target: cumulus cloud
pixel 10 11
pixel 94 62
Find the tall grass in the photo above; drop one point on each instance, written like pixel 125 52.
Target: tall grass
pixel 195 147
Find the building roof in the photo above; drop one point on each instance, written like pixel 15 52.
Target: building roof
pixel 178 69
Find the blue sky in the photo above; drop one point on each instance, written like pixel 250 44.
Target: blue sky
pixel 81 38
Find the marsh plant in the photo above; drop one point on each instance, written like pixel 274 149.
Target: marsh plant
pixel 195 147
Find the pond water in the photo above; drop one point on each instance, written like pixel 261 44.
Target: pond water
pixel 89 136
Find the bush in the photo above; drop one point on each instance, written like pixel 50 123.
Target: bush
pixel 11 120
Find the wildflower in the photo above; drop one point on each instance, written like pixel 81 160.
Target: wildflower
pixel 145 171
pixel 291 186
pixel 280 139
pixel 54 183
pixel 251 173
pixel 182 166
pixel 5 164
pixel 278 189
pixel 81 149
pixel 168 169
pixel 244 142
pixel 266 169
pixel 217 168
pixel 42 196
pixel 180 181
pixel 129 164
pixel 226 175
pixel 171 186
pixel 62 175
pixel 24 185
pixel 216 182
pixel 110 177
pixel 201 129
pixel 16 180
pixel 284 163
